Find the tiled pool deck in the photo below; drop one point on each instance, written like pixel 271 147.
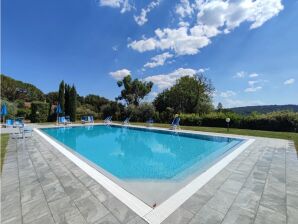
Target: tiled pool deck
pixel 40 185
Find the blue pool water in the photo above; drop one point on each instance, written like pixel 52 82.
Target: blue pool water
pixel 133 153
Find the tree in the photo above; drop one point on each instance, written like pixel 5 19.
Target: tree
pixel 188 95
pixel 52 97
pixel 111 109
pixel 61 95
pixel 133 90
pixel 39 111
pixel 12 90
pixel 219 107
pixel 66 99
pixel 72 103
pixel 95 101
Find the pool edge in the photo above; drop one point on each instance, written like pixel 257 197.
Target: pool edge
pixel 165 209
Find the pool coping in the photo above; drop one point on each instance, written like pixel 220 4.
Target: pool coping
pixel 161 212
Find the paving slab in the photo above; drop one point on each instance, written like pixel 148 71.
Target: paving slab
pixel 40 185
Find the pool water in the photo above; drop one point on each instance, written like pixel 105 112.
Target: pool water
pixel 136 153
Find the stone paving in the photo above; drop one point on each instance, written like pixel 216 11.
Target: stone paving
pixel 40 185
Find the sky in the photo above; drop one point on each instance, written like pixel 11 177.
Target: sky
pixel 247 48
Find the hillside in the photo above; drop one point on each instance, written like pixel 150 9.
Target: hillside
pixel 264 109
pixel 12 90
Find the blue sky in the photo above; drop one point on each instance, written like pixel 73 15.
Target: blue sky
pixel 247 48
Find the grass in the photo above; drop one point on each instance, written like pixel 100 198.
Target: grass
pixel 268 134
pixel 4 141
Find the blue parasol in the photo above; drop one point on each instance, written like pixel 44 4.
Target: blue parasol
pixel 3 110
pixel 58 109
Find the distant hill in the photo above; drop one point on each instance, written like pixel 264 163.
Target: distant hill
pixel 12 90
pixel 264 109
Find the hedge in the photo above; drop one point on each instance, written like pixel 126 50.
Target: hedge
pixel 275 121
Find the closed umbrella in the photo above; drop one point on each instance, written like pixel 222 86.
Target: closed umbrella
pixel 4 111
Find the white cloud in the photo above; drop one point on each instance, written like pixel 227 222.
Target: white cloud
pixel 177 40
pixel 142 18
pixel 123 4
pixel 126 6
pixel 115 48
pixel 150 97
pixel 158 60
pixel 227 94
pixel 253 89
pixel 184 8
pixel 213 18
pixel 241 74
pixel 289 81
pixel 143 45
pixel 183 23
pixel 120 74
pixel 253 82
pixel 253 75
pixel 110 3
pixel 230 14
pixel 164 81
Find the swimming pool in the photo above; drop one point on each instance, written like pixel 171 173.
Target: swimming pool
pixel 151 170
pixel 142 154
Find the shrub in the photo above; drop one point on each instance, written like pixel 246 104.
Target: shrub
pixel 23 112
pixel 39 111
pixel 275 121
pixel 112 109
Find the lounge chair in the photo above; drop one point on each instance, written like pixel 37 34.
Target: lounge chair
pixel 84 119
pixel 91 119
pixel 67 118
pixel 126 121
pixel 150 122
pixel 9 123
pixel 108 120
pixel 175 124
pixel 87 119
pixel 25 130
pixel 18 122
pixel 62 120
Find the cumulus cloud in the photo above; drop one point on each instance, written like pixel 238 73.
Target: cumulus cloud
pixel 142 18
pixel 123 4
pixel 241 74
pixel 110 3
pixel 252 86
pixel 227 94
pixel 289 82
pixel 213 18
pixel 177 40
pixel 253 89
pixel 120 74
pixel 164 81
pixel 253 75
pixel 184 8
pixel 158 60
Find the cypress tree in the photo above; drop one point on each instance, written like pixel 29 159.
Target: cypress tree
pixel 67 103
pixel 72 103
pixel 61 96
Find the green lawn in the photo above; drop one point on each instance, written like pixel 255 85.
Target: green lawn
pixel 269 134
pixel 4 141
